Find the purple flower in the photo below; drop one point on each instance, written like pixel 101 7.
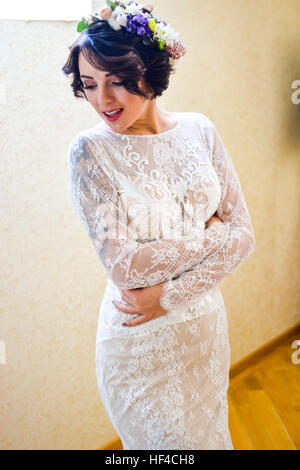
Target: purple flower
pixel 141 31
pixel 139 24
pixel 130 26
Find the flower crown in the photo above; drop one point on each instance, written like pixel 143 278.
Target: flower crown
pixel 137 19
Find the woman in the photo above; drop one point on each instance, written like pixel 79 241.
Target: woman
pixel 160 199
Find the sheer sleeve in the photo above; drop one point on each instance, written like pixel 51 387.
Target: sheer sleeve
pixel 128 262
pixel 189 286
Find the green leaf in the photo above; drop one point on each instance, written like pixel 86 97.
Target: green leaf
pixel 160 44
pixel 111 4
pixel 83 24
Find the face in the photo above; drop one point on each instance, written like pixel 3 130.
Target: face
pixel 104 94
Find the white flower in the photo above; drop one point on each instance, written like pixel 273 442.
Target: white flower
pixel 118 18
pixel 134 9
pixel 166 32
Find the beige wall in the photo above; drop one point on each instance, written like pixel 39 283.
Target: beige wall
pixel 242 58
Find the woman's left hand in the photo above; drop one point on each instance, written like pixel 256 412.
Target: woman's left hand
pixel 142 300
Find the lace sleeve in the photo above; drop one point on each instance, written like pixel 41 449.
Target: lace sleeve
pixel 189 286
pixel 128 262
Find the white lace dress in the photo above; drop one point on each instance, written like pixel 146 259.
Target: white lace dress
pixel 164 382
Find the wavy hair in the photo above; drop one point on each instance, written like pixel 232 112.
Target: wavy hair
pixel 122 54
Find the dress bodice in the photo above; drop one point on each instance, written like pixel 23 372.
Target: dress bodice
pixel 144 201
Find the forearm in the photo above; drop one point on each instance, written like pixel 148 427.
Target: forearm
pixel 162 260
pixel 190 286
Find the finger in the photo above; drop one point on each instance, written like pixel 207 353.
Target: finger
pixel 129 292
pixel 125 308
pixel 127 298
pixel 136 321
pixel 130 296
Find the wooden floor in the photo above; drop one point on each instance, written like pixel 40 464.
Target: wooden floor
pixel 263 399
pixel 264 402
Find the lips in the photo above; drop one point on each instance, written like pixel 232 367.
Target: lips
pixel 114 117
pixel 111 110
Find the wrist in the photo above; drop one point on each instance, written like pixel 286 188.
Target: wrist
pixel 163 300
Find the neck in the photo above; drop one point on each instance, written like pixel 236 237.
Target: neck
pixel 152 121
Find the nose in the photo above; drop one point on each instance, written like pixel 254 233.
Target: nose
pixel 104 94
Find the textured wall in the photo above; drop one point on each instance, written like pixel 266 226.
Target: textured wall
pixel 242 59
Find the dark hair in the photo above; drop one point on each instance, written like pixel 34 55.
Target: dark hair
pixel 122 54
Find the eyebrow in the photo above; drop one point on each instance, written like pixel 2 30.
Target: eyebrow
pixel 88 76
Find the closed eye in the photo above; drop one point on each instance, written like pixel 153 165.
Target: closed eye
pixel 88 87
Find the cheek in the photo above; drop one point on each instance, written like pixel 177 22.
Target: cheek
pixel 134 105
pixel 124 95
pixel 129 99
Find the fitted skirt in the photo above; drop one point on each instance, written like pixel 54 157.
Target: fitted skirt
pixel 167 388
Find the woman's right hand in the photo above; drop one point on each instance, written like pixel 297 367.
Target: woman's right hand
pixel 213 218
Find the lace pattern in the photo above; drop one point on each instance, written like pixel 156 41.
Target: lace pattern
pixel 117 180
pixel 164 382
pixel 240 242
pixel 167 389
